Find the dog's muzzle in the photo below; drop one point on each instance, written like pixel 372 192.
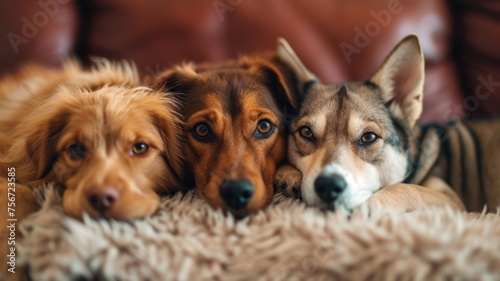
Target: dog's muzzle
pixel 236 194
pixel 329 187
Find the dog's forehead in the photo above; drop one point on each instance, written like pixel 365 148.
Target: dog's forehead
pixel 112 108
pixel 326 94
pixel 337 100
pixel 332 108
pixel 231 92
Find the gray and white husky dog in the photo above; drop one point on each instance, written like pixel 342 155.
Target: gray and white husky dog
pixel 359 142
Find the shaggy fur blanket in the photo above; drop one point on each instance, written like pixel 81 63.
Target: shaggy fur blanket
pixel 187 240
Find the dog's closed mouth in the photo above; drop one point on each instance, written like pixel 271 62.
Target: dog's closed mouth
pixel 354 142
pixel 235 127
pixel 110 141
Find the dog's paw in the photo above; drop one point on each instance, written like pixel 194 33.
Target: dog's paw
pixel 377 205
pixel 395 199
pixel 288 180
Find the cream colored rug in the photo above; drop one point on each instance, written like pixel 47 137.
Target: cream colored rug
pixel 187 240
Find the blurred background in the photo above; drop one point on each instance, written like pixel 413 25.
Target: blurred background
pixel 339 40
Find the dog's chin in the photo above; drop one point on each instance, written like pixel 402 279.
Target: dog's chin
pixel 241 213
pixel 141 207
pixel 238 214
pixel 113 214
pixel 348 200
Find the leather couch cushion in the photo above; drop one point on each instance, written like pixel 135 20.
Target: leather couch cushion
pixel 158 34
pixel 41 31
pixel 478 47
pixel 338 40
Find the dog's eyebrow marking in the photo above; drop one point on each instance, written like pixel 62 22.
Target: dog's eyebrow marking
pixel 355 126
pixel 210 115
pixel 317 123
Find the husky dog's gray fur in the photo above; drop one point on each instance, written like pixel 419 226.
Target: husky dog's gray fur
pixel 359 142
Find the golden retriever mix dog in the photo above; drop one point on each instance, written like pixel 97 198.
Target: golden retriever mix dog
pixel 235 127
pixel 111 143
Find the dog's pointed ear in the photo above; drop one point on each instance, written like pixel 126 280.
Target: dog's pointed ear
pixel 177 80
pixel 401 80
pixel 288 55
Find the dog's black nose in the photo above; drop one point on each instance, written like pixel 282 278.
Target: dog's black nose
pixel 330 187
pixel 236 193
pixel 103 198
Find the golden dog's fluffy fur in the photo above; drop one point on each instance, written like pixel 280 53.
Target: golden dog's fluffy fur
pixel 111 143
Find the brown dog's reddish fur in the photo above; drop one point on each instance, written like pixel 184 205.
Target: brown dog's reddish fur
pixel 231 98
pixel 105 110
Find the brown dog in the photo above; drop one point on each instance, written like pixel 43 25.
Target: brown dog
pixel 112 144
pixel 235 128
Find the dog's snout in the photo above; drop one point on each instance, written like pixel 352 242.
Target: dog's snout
pixel 103 198
pixel 236 193
pixel 329 187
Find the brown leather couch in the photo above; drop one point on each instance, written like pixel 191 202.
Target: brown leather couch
pixel 337 39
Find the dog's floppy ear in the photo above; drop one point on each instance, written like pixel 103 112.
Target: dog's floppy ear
pixel 273 74
pixel 177 80
pixel 167 120
pixel 401 80
pixel 34 155
pixel 304 76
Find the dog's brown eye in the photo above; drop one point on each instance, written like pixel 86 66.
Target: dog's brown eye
pixel 201 130
pixel 140 149
pixel 76 151
pixel 368 138
pixel 264 129
pixel 306 133
pixel 264 126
